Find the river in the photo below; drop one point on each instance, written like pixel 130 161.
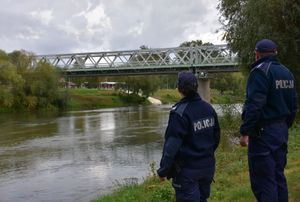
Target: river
pixel 78 156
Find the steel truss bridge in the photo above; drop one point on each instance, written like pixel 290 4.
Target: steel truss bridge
pixel 214 58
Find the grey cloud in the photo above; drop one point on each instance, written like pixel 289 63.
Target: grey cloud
pixel 165 22
pixel 23 32
pixel 156 23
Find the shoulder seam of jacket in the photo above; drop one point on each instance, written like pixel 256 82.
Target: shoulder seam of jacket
pixel 266 71
pixel 180 109
pixel 268 68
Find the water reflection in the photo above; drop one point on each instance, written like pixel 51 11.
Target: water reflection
pixel 78 155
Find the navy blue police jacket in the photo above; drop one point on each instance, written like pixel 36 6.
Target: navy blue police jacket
pixel 270 96
pixel 191 137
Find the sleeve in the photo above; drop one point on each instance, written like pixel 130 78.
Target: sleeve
pixel 176 130
pixel 257 91
pixel 290 119
pixel 217 131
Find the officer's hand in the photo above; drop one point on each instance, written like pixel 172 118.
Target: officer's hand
pixel 162 178
pixel 244 140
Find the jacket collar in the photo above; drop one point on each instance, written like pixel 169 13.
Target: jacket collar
pixel 264 59
pixel 193 97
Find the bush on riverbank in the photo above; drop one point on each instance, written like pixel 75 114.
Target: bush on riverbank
pixel 231 179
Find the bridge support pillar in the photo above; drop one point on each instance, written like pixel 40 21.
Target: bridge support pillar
pixel 204 86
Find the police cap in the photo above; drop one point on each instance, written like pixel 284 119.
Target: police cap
pixel 265 46
pixel 187 80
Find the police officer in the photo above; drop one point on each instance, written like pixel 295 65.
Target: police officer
pixel 191 138
pixel 269 111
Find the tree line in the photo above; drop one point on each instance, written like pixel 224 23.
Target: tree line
pixel 23 87
pixel 247 21
pixel 27 88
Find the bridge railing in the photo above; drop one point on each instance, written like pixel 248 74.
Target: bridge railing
pixel 200 56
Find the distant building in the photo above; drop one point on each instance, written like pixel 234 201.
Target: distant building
pixel 109 85
pixel 71 85
pixel 63 83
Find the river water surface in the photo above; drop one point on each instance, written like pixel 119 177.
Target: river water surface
pixel 77 156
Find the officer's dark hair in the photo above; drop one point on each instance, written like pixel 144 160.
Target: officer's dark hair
pixel 265 54
pixel 188 91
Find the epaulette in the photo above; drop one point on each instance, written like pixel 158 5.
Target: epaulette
pixel 264 67
pixel 179 108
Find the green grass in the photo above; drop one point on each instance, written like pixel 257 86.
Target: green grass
pixel 227 97
pixel 152 190
pixel 231 179
pixel 167 96
pixel 82 98
pixel 171 96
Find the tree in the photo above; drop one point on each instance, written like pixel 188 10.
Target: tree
pixel 147 57
pixel 21 59
pixel 233 82
pixel 145 85
pixel 25 87
pixel 204 51
pixel 3 56
pixel 168 81
pixel 10 82
pixel 148 85
pixel 41 86
pixel 247 21
pixel 192 43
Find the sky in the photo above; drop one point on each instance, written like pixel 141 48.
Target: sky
pixel 68 26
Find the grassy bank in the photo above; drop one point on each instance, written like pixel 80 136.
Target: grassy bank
pixel 226 97
pixel 167 96
pixel 171 96
pixel 231 179
pixel 83 98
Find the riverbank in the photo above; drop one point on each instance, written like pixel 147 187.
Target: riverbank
pixel 86 99
pixel 231 179
pixel 83 98
pixel 171 96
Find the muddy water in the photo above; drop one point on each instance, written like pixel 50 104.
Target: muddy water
pixel 77 156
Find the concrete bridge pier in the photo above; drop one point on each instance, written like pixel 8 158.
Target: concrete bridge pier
pixel 204 86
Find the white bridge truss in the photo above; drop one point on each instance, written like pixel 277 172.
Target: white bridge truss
pixel 214 58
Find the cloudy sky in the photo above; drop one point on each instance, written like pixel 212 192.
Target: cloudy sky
pixel 65 26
